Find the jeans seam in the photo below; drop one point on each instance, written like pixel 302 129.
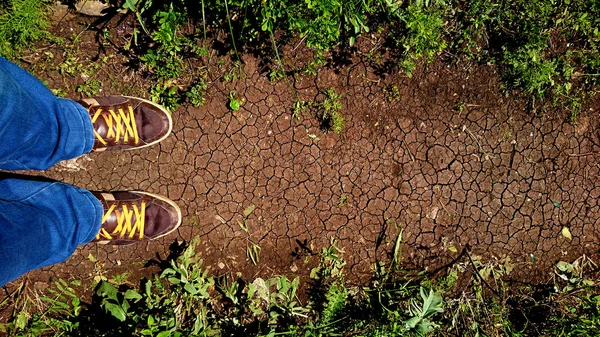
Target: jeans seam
pixel 35 193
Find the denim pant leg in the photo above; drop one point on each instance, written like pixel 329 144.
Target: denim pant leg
pixel 41 222
pixel 37 129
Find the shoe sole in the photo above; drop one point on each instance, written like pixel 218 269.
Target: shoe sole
pixel 160 108
pixel 159 197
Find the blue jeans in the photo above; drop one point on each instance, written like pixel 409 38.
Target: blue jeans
pixel 41 222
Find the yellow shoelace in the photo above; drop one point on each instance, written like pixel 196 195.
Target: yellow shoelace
pixel 124 125
pixel 124 225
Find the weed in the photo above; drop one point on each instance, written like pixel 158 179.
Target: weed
pixel 197 93
pixel 165 59
pixel 471 34
pixel 530 70
pixel 55 313
pixel 70 66
pixel 120 278
pixel 252 248
pixel 91 87
pixel 59 92
pixel 573 274
pixel 235 103
pixel 422 313
pixel 330 115
pixel 423 36
pixel 343 201
pixel 276 75
pixel 392 93
pixel 253 252
pixel 138 7
pixel 167 94
pixel 183 299
pixel 331 263
pixel 21 23
pixel 300 108
pixel 331 103
pixel 231 30
pixel 327 111
pixel 234 73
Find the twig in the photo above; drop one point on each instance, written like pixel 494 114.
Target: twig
pixel 412 158
pixel 298 45
pixel 203 21
pixel 578 75
pixel 476 140
pixel 481 277
pixel 13 294
pixel 231 32
pixel 582 154
pixel 447 211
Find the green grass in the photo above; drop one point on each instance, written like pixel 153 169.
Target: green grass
pixel 165 63
pixel 471 298
pixel 421 38
pixel 548 50
pixel 22 22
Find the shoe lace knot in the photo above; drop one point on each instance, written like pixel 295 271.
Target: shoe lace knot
pixel 125 224
pixel 119 124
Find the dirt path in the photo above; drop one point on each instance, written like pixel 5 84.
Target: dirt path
pixel 450 161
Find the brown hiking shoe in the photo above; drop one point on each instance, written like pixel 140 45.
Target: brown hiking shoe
pixel 124 123
pixel 130 217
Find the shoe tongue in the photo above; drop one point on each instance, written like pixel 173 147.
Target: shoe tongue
pixel 139 123
pixel 156 218
pixel 148 123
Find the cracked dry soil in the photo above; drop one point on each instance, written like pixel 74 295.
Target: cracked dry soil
pixel 487 176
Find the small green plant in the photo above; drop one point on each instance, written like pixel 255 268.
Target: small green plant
pixel 300 108
pixel 165 59
pixel 70 66
pixel 573 274
pixel 392 93
pixel 120 278
pixel 184 300
pixel 166 94
pixel 461 107
pixel 280 303
pixel 138 7
pixel 235 103
pixel 331 263
pixel 90 87
pixel 343 201
pixel 59 92
pixel 276 75
pixel 327 111
pixel 422 313
pixel 55 313
pixel 330 115
pixel 197 93
pixel 252 248
pixel 234 73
